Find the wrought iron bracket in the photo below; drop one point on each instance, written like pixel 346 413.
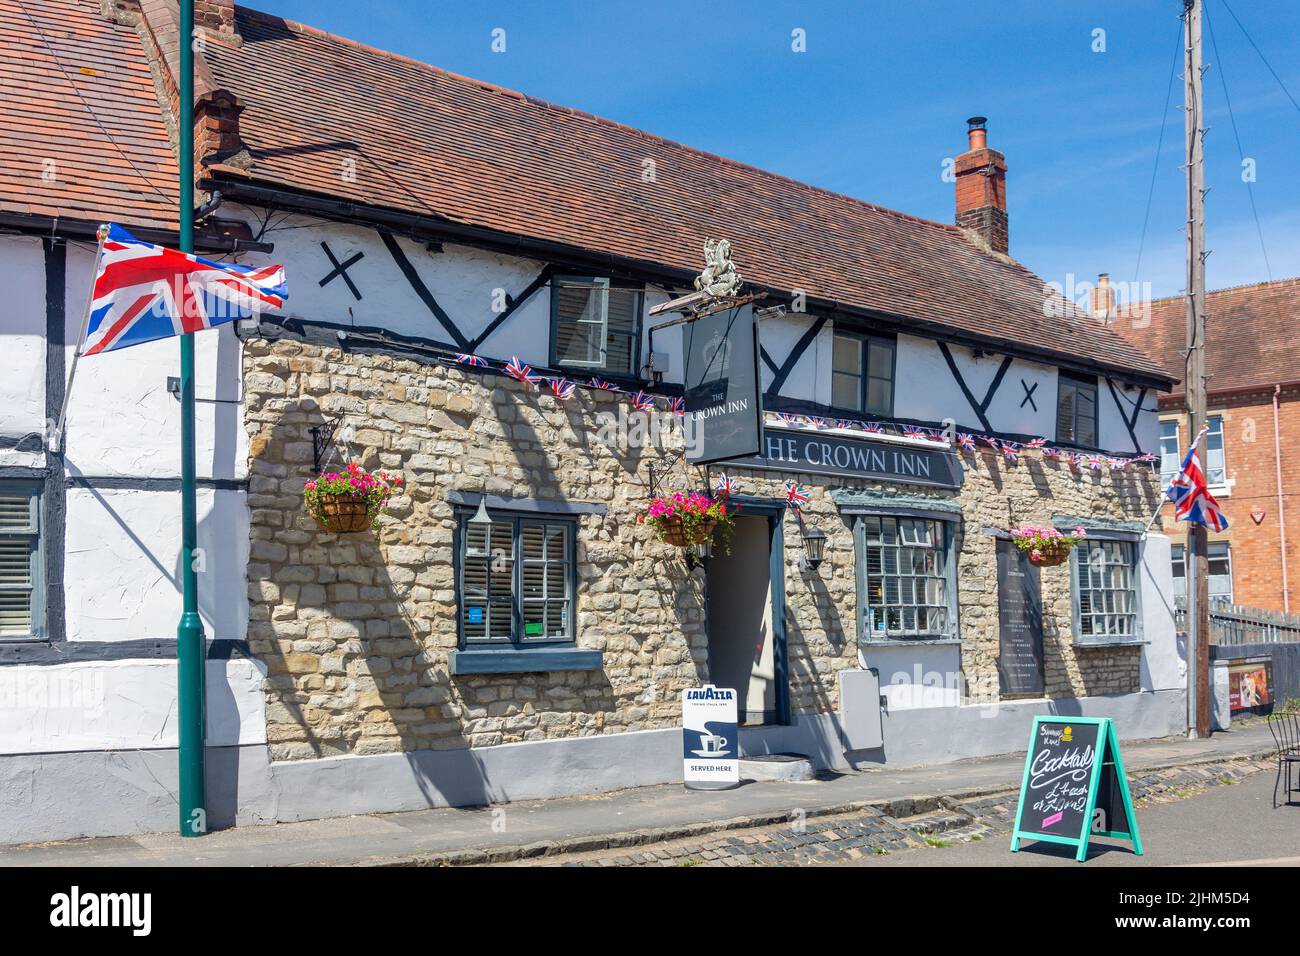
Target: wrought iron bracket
pixel 321 437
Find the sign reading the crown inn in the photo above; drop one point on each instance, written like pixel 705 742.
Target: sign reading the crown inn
pixel 723 413
pixel 823 453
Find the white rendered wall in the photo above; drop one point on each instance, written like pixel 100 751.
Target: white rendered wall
pixel 123 705
pixel 22 346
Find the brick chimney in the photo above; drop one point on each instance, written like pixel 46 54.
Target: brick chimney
pixel 217 17
pixel 1103 299
pixel 982 188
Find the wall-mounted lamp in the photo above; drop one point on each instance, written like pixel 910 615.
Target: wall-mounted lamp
pixel 814 548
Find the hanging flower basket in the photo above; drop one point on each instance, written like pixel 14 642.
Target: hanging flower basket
pixel 683 520
pixel 349 501
pixel 1046 547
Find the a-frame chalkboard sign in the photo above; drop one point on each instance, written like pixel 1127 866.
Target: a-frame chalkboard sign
pixel 1074 785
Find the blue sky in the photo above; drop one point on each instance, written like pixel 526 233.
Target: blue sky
pixel 879 100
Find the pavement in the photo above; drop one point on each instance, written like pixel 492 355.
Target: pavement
pixel 640 817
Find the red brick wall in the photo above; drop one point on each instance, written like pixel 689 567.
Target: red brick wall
pixel 1251 467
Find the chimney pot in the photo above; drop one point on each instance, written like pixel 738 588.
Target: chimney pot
pixel 982 188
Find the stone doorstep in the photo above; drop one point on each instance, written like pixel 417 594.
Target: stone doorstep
pixel 930 806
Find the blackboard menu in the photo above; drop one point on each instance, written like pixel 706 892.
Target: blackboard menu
pixel 1020 622
pixel 1059 778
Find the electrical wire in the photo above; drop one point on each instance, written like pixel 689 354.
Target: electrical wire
pixel 1241 153
pixel 1155 168
pixel 1262 58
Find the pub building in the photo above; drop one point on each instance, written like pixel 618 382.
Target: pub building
pixel 495 298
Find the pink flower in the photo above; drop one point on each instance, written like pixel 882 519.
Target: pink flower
pixel 310 486
pixel 1036 554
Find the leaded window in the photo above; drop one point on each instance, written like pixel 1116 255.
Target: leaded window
pixel 1105 589
pixel 516 580
pixel 906 575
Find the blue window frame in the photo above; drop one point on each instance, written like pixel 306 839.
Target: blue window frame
pixel 516 580
pixel 22 578
pixel 1106 604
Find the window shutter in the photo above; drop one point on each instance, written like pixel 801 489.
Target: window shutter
pixel 18 539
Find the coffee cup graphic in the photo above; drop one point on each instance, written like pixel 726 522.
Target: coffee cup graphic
pixel 713 743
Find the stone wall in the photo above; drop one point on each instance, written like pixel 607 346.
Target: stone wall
pixel 356 629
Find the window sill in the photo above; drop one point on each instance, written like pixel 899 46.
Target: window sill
pixel 909 641
pixel 1110 642
pixel 533 660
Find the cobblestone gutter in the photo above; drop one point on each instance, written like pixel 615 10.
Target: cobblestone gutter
pixel 830 834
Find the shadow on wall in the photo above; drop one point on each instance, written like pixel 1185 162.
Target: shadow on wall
pixel 348 669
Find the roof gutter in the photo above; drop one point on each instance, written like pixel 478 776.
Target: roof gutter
pixel 429 227
pixel 56 227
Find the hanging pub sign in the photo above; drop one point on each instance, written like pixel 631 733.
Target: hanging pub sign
pixel 710 738
pixel 823 453
pixel 1074 786
pixel 724 412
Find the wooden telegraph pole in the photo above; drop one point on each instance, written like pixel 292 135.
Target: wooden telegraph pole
pixel 1197 564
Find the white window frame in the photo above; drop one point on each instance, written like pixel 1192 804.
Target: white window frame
pixel 600 362
pixel 871 615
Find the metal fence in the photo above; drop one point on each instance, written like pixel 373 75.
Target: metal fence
pixel 1238 624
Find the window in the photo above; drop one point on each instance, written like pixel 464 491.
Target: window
pixel 1170 459
pixel 1215 472
pixel 596 325
pixel 1105 589
pixel 862 373
pixel 516 580
pixel 1171 455
pixel 1076 410
pixel 21 604
pixel 907 578
pixel 1220 559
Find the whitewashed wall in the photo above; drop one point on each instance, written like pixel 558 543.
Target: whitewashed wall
pixel 466 282
pixel 122 545
pixel 22 346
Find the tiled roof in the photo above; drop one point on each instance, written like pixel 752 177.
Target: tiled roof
pixel 431 143
pixel 1250 334
pixel 81 131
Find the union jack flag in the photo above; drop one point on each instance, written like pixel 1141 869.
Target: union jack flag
pixel 1011 450
pixel 1095 462
pixel 1117 464
pixel 874 427
pixel 816 421
pixel 796 495
pixel 1191 496
pixel 911 432
pixel 844 423
pixel 1036 443
pixel 725 485
pixel 989 440
pixel 466 358
pixel 607 386
pixel 677 406
pixel 789 419
pixel 967 441
pixel 643 402
pixel 1076 460
pixel 144 292
pixel 563 389
pixel 521 373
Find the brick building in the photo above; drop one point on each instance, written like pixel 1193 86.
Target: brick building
pixel 1249 455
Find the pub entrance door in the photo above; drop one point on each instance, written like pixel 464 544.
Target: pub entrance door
pixel 746 617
